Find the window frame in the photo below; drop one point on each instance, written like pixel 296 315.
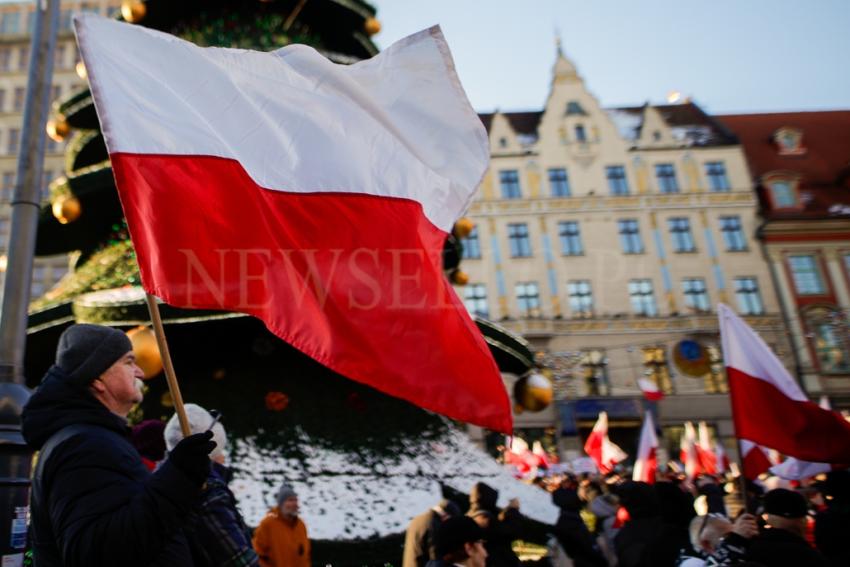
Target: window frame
pixel 471 245
pixel 718 181
pixel 744 296
pixel 731 235
pixel 473 300
pixel 696 296
pixel 681 237
pixel 816 270
pixel 640 299
pixel 629 236
pixel 571 243
pixel 530 311
pixel 519 240
pixel 580 298
pixel 509 184
pixel 559 187
pixel 618 183
pixel 665 177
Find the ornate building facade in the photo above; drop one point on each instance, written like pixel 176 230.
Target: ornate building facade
pixel 800 163
pixel 606 238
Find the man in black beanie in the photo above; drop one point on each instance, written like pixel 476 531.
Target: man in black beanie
pixel 93 500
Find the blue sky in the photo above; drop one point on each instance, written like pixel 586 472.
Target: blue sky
pixel 729 55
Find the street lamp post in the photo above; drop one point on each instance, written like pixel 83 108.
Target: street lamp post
pixel 15 457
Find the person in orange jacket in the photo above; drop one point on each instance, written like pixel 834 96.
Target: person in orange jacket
pixel 281 538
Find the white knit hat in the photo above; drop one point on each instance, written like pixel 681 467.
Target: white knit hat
pixel 199 421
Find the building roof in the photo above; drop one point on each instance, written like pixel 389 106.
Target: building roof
pixel 823 165
pixel 688 122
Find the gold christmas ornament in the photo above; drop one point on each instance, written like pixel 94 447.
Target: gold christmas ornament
pixel 146 350
pixel 67 209
pixel 533 392
pixel 81 70
pixel 372 26
pixel 460 277
pixel 133 11
pixel 463 227
pixel 58 129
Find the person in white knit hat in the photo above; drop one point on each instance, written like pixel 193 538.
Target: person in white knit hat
pixel 218 536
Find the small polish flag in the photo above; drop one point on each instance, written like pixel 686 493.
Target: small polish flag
pixel 650 390
pixel 646 461
pixel 599 448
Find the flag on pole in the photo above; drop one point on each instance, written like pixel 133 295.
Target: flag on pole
pixel 650 390
pixel 768 406
pixel 646 461
pixel 754 459
pixel 599 448
pixel 688 451
pixel 796 469
pixel 705 450
pixel 314 196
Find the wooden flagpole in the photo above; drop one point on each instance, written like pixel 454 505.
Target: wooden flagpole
pixel 171 377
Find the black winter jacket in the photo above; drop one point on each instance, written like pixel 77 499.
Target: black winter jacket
pixel 93 500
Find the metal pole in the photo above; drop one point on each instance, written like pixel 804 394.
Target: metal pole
pixel 15 456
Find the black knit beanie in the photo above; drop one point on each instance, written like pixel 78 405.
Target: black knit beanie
pixel 87 351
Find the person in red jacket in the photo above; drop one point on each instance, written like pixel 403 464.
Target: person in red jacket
pixel 281 538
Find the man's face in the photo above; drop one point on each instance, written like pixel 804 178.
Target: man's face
pixel 477 554
pixel 120 387
pixel 289 507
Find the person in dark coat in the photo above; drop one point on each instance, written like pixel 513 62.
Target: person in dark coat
pixel 832 525
pixel 784 544
pixel 646 540
pixel 419 542
pixel 572 533
pixel 93 501
pixel 459 541
pixel 503 527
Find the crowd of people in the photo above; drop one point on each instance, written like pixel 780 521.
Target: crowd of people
pixel 606 521
pixel 103 494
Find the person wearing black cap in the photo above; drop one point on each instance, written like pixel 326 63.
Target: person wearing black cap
pixel 419 545
pixel 93 501
pixel 459 541
pixel 782 543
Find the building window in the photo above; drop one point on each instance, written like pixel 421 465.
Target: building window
pixel 574 109
pixel 475 299
pixel 10 23
pixel 747 294
pixel 696 295
pixel 59 57
pixel 14 139
pixel 2 100
pixel 23 58
pixel 471 245
pixel 630 236
pixel 617 183
pixel 5 59
pixel 642 297
pixel 528 299
pixel 806 275
pixel 666 176
pixel 8 186
pixel 716 173
pixel 509 181
pixel 783 194
pixel 581 298
pixel 518 240
pixel 680 234
pixel 570 237
pixel 18 99
pixel 789 141
pixel 829 339
pixel 656 368
pixel 594 364
pixel 733 234
pixel 559 183
pixel 581 135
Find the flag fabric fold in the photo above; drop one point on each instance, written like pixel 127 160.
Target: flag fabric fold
pixel 598 447
pixel 650 390
pixel 314 196
pixel 646 461
pixel 688 451
pixel 768 406
pixel 705 451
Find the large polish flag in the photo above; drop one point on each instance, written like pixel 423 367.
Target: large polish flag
pixel 314 196
pixel 768 406
pixel 605 453
pixel 646 461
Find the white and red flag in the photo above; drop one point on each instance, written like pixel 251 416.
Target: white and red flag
pixel 796 469
pixel 754 459
pixel 705 450
pixel 599 448
pixel 650 390
pixel 688 451
pixel 768 406
pixel 314 196
pixel 646 461
pixel 720 457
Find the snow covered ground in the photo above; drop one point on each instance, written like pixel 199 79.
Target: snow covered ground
pixel 342 498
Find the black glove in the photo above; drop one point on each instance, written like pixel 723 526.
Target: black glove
pixel 191 456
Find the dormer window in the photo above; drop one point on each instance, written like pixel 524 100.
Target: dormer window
pixel 581 134
pixel 789 141
pixel 782 190
pixel 574 109
pixel 503 142
pixel 656 136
